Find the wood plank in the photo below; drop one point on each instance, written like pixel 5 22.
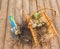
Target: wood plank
pixel 18 12
pixel 15 9
pixel 3 22
pixel 9 40
pixel 18 45
pixel 58 18
pixel 0 4
pixel 18 19
pixel 46 46
pixel 36 47
pixel 58 4
pixel 47 5
pixel 42 4
pixel 25 46
pixel 25 9
pixel 33 8
pixel 54 5
pixel 54 42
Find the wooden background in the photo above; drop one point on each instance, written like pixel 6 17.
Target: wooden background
pixel 16 8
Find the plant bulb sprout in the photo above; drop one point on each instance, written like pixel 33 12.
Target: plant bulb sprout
pixel 42 31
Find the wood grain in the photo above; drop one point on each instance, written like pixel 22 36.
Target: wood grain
pixel 17 9
pixel 0 2
pixel 25 11
pixel 33 8
pixel 3 17
pixel 42 4
pixel 9 40
pixel 18 19
pixel 56 24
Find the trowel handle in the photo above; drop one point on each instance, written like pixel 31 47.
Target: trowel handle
pixel 12 22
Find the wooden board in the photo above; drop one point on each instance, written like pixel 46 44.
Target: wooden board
pixel 9 41
pixel 25 9
pixel 3 17
pixel 17 9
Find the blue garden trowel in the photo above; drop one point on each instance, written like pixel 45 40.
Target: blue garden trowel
pixel 13 25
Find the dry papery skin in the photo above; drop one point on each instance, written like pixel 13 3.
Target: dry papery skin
pixel 42 35
pixel 43 31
